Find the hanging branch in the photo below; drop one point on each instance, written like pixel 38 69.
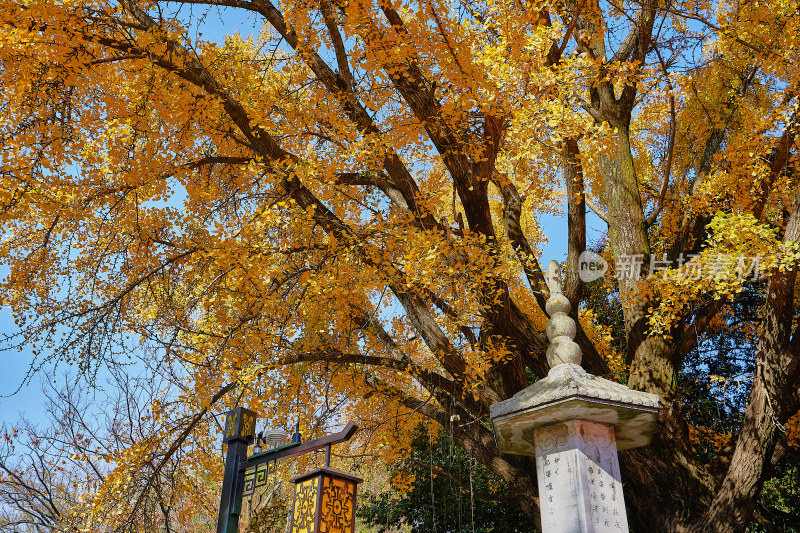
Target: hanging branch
pixel 461 486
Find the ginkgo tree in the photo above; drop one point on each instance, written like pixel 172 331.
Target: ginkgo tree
pixel 336 215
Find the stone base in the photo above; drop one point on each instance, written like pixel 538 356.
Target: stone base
pixel 579 481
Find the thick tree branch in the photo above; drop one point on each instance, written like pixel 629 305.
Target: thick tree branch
pixel 431 380
pixel 218 160
pixel 512 214
pixel 693 226
pixel 703 317
pixel 576 220
pixel 778 158
pixel 602 215
pixel 338 44
pixel 471 184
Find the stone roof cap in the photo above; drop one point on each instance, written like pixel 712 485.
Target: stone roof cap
pixel 569 393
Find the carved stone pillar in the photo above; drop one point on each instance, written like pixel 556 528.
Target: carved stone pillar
pixel 579 481
pixel 574 423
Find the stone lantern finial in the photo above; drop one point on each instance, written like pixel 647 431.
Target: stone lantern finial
pixel 554 278
pixel 561 327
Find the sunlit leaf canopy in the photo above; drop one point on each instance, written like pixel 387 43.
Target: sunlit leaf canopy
pixel 334 216
pixel 146 210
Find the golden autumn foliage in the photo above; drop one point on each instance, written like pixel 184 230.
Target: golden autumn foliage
pixel 334 214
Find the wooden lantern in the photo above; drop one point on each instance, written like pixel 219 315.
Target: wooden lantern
pixel 324 502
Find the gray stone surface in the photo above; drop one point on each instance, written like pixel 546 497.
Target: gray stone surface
pixel 561 327
pixel 579 480
pixel 563 351
pixel 569 392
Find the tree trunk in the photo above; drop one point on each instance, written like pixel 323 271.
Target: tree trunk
pixel 664 490
pixel 733 505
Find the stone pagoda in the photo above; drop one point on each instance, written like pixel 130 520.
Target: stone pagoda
pixel 574 423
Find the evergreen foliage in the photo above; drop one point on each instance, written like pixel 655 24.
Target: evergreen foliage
pixel 440 499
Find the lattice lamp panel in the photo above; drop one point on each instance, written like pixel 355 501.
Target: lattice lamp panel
pixel 325 502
